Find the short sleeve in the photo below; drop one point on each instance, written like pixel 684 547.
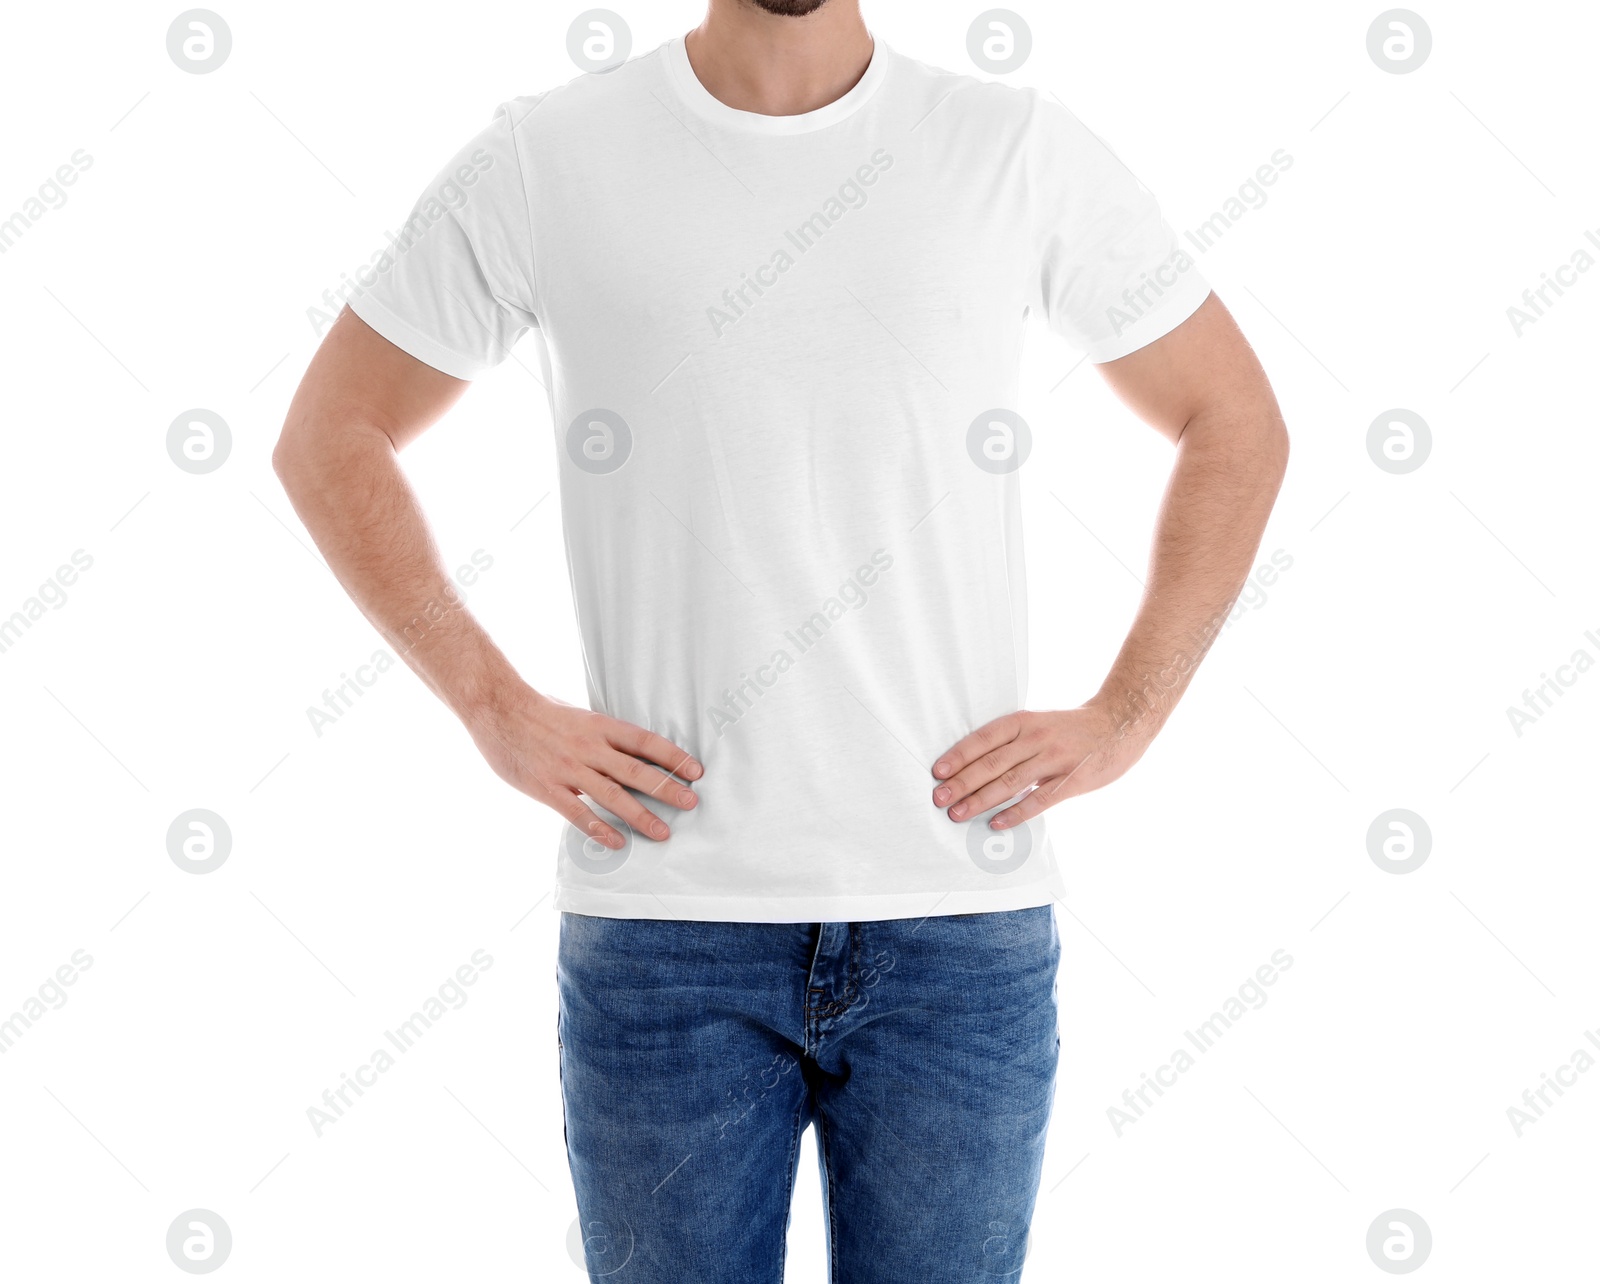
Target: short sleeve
pixel 455 286
pixel 1113 276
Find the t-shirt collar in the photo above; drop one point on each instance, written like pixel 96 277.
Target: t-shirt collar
pixel 700 99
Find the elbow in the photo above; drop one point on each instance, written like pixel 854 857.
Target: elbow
pixel 296 459
pixel 317 453
pixel 1267 439
pixel 285 459
pixel 1277 450
pixel 1246 437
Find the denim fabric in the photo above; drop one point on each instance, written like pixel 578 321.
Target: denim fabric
pixel 695 1054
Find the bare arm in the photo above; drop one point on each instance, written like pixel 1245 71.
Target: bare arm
pixel 1202 388
pixel 361 401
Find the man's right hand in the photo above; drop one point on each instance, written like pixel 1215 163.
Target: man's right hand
pixel 553 752
pixel 362 400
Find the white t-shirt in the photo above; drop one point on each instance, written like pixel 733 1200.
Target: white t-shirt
pixel 782 356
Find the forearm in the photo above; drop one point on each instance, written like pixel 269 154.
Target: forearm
pixel 361 401
pixel 1230 462
pixel 1202 388
pixel 345 482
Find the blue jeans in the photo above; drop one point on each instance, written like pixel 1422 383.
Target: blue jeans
pixel 695 1054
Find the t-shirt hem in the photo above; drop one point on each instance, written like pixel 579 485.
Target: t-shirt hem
pixel 805 909
pixel 1171 310
pixel 408 338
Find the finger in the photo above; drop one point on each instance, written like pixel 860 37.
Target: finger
pixel 619 802
pixel 988 767
pixel 652 748
pixel 647 779
pixel 1008 784
pixel 571 807
pixel 1051 790
pixel 971 747
pixel 1026 809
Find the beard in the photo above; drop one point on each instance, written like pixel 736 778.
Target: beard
pixel 789 8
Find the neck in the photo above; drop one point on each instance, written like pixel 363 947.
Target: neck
pixel 778 65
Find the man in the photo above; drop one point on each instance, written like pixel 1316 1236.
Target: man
pixel 777 277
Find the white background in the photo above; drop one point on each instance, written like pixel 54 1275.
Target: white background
pixel 370 862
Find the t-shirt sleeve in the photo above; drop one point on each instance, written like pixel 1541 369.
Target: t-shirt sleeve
pixel 1113 275
pixel 455 287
